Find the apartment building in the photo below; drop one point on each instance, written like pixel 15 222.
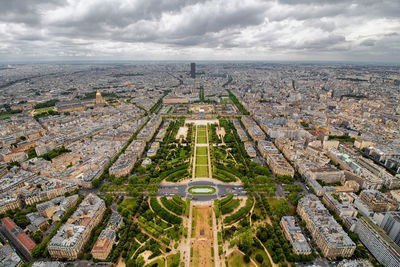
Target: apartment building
pixel 279 165
pixel 378 201
pixel 327 233
pixel 72 236
pixel 293 233
pixel 378 243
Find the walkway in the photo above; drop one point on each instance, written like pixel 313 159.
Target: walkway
pixel 189 236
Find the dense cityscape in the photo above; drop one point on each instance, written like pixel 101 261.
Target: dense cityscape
pixel 199 164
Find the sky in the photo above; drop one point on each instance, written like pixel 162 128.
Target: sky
pixel 287 30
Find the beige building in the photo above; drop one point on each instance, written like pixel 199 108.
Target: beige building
pixel 326 232
pixel 293 233
pixel 71 237
pixel 327 144
pixel 361 143
pixel 279 165
pixel 10 203
pixel 175 100
pixel 103 245
pixel 378 201
pixel 266 148
pixel 99 98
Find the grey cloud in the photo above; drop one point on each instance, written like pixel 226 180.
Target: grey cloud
pixel 324 26
pixel 324 43
pixel 368 42
pixel 25 11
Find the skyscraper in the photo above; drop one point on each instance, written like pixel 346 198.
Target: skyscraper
pixel 193 70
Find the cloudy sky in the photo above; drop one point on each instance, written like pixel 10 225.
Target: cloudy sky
pixel 339 30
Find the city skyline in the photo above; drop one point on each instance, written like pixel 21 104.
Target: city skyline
pixel 355 31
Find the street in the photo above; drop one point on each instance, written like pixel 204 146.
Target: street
pixel 182 189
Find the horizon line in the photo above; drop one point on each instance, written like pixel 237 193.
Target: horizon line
pixel 61 61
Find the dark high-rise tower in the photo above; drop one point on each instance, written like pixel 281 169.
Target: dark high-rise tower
pixel 193 70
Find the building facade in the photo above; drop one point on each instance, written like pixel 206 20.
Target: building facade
pixel 72 236
pixel 374 239
pixel 327 233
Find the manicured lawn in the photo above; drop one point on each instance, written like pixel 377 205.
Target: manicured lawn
pixel 129 204
pixel 201 139
pixel 5 116
pixel 201 135
pixel 201 171
pixel 40 110
pixel 201 150
pixel 171 259
pixel 235 259
pixel 202 160
pixel 263 254
pixel 160 262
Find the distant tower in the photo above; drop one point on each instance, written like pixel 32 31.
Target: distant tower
pixel 193 70
pixel 99 98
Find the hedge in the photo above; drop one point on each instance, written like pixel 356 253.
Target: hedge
pixel 227 169
pixel 222 178
pixel 179 174
pixel 228 176
pixel 164 174
pixel 150 230
pixel 240 213
pixel 178 200
pixel 151 224
pixel 230 207
pixel 187 209
pixel 170 205
pixel 226 200
pixel 164 214
pixel 216 208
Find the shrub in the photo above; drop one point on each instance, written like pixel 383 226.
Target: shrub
pixel 246 258
pixel 170 205
pixel 225 200
pixel 164 214
pixel 230 207
pixel 240 213
pixel 259 258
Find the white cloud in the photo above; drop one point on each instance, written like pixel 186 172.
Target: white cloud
pixel 215 29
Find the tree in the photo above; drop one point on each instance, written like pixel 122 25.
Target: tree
pixel 96 182
pixel 279 207
pixel 259 258
pixel 246 258
pixel 108 200
pixel 246 241
pixel 37 236
pixel 21 221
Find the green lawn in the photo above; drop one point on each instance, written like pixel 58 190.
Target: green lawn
pixel 201 171
pixel 235 259
pixel 201 140
pixel 5 116
pixel 40 110
pixel 201 150
pixel 266 261
pixel 202 160
pixel 201 135
pixel 129 204
pixel 171 259
pixel 160 262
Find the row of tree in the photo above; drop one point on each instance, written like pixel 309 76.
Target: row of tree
pixel 164 214
pixel 243 211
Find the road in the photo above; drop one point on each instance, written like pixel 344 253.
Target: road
pixel 181 189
